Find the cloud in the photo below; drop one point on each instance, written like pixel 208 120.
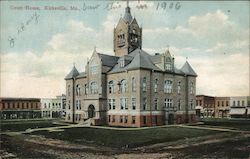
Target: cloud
pixel 203 39
pixel 203 31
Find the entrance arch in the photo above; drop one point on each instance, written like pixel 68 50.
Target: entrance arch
pixel 91 111
pixel 171 119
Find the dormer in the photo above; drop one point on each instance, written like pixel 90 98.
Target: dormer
pixel 167 61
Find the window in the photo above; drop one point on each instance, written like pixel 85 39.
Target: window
pixel 156 103
pixel 156 85
pixel 179 88
pixel 93 88
pixel 68 104
pixel 227 103
pixel 122 62
pixel 238 103
pixel 77 101
pixel 133 103
pixel 133 119
pixel 126 119
pixel 111 87
pixel 168 66
pixel 133 84
pixel 124 103
pixel 168 103
pixel 121 119
pixel 113 118
pixel 243 103
pixel 86 89
pixel 168 86
pixel 144 84
pixel 144 104
pixel 222 103
pixel 218 103
pixel 179 105
pixel 192 104
pixel 144 119
pixel 78 90
pixel 124 86
pixel 111 104
pixel 93 68
pixel 79 104
pixel 68 90
pixel 109 118
pixel 192 88
pixel 233 103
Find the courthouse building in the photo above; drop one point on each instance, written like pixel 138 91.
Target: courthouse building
pixel 131 88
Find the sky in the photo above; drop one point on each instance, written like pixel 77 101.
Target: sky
pixel 40 46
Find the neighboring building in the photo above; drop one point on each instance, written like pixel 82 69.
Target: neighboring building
pixel 240 107
pixel 20 108
pixel 131 88
pixel 205 106
pixel 52 107
pixel 62 99
pixel 222 107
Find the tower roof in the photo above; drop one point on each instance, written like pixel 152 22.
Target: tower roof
pixel 73 73
pixel 187 69
pixel 127 16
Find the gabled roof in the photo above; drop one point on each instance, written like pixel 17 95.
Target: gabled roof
pixel 81 75
pixel 108 60
pixel 139 59
pixel 73 73
pixel 188 70
pixel 142 60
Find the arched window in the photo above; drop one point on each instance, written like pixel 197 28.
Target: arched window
pixel 192 88
pixel 144 84
pixel 78 90
pixel 168 64
pixel 155 85
pixel 124 86
pixel 168 86
pixel 86 87
pixel 93 88
pixel 133 84
pixel 111 86
pixel 94 68
pixel 179 87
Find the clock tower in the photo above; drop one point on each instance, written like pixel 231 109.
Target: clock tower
pixel 127 35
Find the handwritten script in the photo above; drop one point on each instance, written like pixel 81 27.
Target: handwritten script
pixel 22 27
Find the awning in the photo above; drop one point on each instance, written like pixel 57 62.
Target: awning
pixel 199 107
pixel 237 111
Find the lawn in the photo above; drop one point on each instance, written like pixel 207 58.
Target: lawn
pixel 124 138
pixel 23 125
pixel 229 123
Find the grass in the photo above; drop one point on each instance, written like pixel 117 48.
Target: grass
pixel 23 125
pixel 124 138
pixel 230 123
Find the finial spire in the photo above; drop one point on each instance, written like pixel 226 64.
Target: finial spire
pixel 186 58
pixel 74 64
pixel 127 3
pixel 168 47
pixel 94 48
